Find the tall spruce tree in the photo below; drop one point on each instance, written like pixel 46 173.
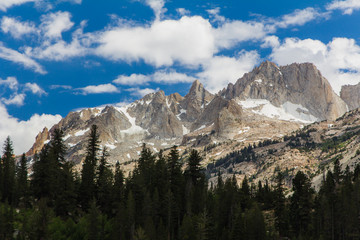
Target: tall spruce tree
pixel 88 174
pixel 8 162
pixel 104 181
pixel 22 184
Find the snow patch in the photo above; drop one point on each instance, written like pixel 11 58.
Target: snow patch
pixel 185 130
pixel 258 81
pixel 288 111
pixel 110 146
pixel 134 129
pixel 244 130
pixel 81 132
pixel 46 142
pixel 71 144
pixel 66 137
pixel 128 156
pixel 202 127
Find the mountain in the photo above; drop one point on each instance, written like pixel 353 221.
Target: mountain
pixel 299 89
pixel 351 95
pixel 267 103
pixel 313 150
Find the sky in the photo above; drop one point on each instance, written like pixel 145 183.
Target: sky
pixel 63 55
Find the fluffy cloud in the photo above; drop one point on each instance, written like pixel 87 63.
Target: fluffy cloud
pixel 54 24
pixel 15 99
pixel 5 4
pixel 10 82
pixel 102 88
pixel 16 28
pixel 157 6
pixel 35 89
pixel 160 76
pixel 138 92
pixel 188 40
pixel 23 133
pixel 233 32
pixel 338 60
pixel 347 6
pixel 16 57
pixel 300 16
pixel 221 70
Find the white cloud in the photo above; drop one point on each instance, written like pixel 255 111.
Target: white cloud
pixel 338 60
pixel 233 32
pixel 347 6
pixel 141 92
pixel 221 70
pixel 157 6
pixel 54 24
pixel 15 99
pixel 10 82
pixel 300 17
pixel 16 28
pixel 188 41
pixel 16 57
pixel 182 11
pixel 162 76
pixel 23 133
pixel 35 89
pixel 68 87
pixel 102 88
pixel 215 15
pixel 271 42
pixel 5 4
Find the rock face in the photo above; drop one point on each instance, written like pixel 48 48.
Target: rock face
pixel 298 88
pixel 351 95
pixel 266 103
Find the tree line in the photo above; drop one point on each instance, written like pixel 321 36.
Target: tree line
pixel 162 199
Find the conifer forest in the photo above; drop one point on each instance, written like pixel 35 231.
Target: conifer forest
pixel 165 198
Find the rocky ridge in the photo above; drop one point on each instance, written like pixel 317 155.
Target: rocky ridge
pixel 246 112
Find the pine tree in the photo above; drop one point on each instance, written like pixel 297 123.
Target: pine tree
pixel 301 204
pixel 104 183
pixel 88 186
pixel 22 182
pixel 281 222
pixel 8 162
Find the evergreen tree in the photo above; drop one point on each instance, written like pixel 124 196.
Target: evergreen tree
pixel 88 174
pixel 8 163
pixel 301 204
pixel 281 222
pixel 22 182
pixel 104 183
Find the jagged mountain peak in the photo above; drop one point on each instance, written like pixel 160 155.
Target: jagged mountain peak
pixel 298 89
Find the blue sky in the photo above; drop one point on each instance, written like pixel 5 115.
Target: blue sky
pixel 62 55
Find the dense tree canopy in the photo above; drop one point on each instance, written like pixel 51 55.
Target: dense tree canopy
pixel 165 197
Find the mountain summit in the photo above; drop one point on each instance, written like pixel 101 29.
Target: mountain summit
pixel 268 102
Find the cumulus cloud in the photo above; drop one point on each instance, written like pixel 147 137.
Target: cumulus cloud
pixel 16 57
pixel 222 70
pixel 23 133
pixel 54 24
pixel 182 11
pixel 347 6
pixel 338 60
pixel 162 76
pixel 102 88
pixel 16 28
pixel 300 17
pixel 10 82
pixel 5 4
pixel 157 6
pixel 15 99
pixel 188 40
pixel 233 32
pixel 138 92
pixel 35 89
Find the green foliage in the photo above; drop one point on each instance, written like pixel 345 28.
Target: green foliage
pixel 159 200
